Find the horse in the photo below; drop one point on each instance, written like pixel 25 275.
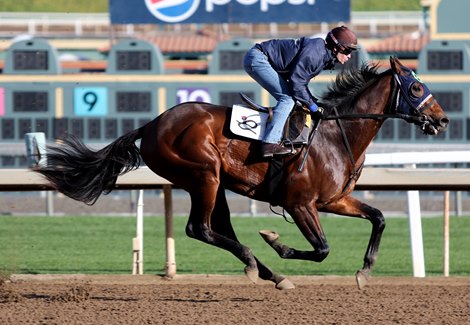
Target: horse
pixel 191 146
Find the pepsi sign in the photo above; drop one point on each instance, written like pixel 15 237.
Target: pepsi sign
pixel 228 11
pixel 172 11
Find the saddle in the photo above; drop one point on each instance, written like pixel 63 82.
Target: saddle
pixel 249 121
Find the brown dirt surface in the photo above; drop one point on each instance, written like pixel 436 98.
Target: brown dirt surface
pixel 215 299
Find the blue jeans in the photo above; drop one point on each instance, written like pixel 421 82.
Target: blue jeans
pixel 256 64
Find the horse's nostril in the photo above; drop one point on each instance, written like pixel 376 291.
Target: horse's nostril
pixel 444 122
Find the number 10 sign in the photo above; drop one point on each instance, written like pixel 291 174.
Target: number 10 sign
pixel 90 101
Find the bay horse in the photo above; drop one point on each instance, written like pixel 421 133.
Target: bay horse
pixel 191 146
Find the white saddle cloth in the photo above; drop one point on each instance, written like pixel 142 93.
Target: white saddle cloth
pixel 247 122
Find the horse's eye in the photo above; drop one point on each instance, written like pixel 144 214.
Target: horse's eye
pixel 417 90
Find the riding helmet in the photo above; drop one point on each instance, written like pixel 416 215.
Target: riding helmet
pixel 343 39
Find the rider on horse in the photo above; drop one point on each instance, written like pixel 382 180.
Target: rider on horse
pixel 284 68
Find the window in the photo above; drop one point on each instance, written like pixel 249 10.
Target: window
pixel 227 98
pixel 445 60
pixel 231 60
pixel 133 101
pixel 133 60
pixel 30 101
pixel 30 60
pixel 450 101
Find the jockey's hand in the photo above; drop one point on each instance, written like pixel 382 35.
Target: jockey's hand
pixel 318 114
pixel 313 107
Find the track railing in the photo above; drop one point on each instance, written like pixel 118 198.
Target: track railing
pixel 409 160
pixel 373 178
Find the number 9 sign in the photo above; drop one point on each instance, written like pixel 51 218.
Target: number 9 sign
pixel 90 101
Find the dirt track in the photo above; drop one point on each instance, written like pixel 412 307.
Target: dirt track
pixel 148 299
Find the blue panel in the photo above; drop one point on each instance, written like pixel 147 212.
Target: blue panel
pixel 90 101
pixel 228 11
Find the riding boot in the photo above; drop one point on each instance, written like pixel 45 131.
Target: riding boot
pixel 274 149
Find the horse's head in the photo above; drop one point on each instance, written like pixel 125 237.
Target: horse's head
pixel 414 101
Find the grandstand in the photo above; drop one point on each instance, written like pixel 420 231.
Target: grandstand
pixel 81 46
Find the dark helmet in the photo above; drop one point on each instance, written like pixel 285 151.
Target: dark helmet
pixel 342 39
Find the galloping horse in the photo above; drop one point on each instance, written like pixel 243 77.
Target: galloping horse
pixel 191 146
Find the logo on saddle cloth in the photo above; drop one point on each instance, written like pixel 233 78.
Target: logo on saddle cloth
pixel 249 123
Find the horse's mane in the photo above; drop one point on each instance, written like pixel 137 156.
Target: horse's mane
pixel 350 83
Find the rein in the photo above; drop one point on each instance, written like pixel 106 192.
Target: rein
pixel 391 107
pixel 408 118
pixel 391 112
pixel 397 88
pixel 354 173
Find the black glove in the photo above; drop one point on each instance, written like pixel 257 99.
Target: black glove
pixel 318 114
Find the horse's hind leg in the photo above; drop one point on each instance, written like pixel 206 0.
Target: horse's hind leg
pixel 200 226
pixel 221 224
pixel 308 222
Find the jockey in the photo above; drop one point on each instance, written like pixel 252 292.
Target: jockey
pixel 284 68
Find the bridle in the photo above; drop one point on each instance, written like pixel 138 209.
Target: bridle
pixel 417 105
pixel 400 96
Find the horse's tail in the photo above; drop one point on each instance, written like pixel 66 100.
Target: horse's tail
pixel 83 174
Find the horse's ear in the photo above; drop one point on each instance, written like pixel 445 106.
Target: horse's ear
pixel 397 67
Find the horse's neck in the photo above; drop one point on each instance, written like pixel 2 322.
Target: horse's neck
pixel 361 132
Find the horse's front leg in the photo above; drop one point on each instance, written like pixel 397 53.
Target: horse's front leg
pixel 349 206
pixel 308 222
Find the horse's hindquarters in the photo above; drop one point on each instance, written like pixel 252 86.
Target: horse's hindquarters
pixel 181 145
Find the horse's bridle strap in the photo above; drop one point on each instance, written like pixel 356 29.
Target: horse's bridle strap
pixel 393 99
pixel 370 116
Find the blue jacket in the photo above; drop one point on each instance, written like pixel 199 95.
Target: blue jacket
pixel 298 61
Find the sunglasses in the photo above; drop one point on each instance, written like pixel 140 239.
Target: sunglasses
pixel 347 51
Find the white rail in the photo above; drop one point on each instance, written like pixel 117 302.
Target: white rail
pixel 406 158
pixel 409 160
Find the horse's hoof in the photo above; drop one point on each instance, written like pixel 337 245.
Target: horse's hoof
pixel 269 236
pixel 361 279
pixel 252 273
pixel 285 284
